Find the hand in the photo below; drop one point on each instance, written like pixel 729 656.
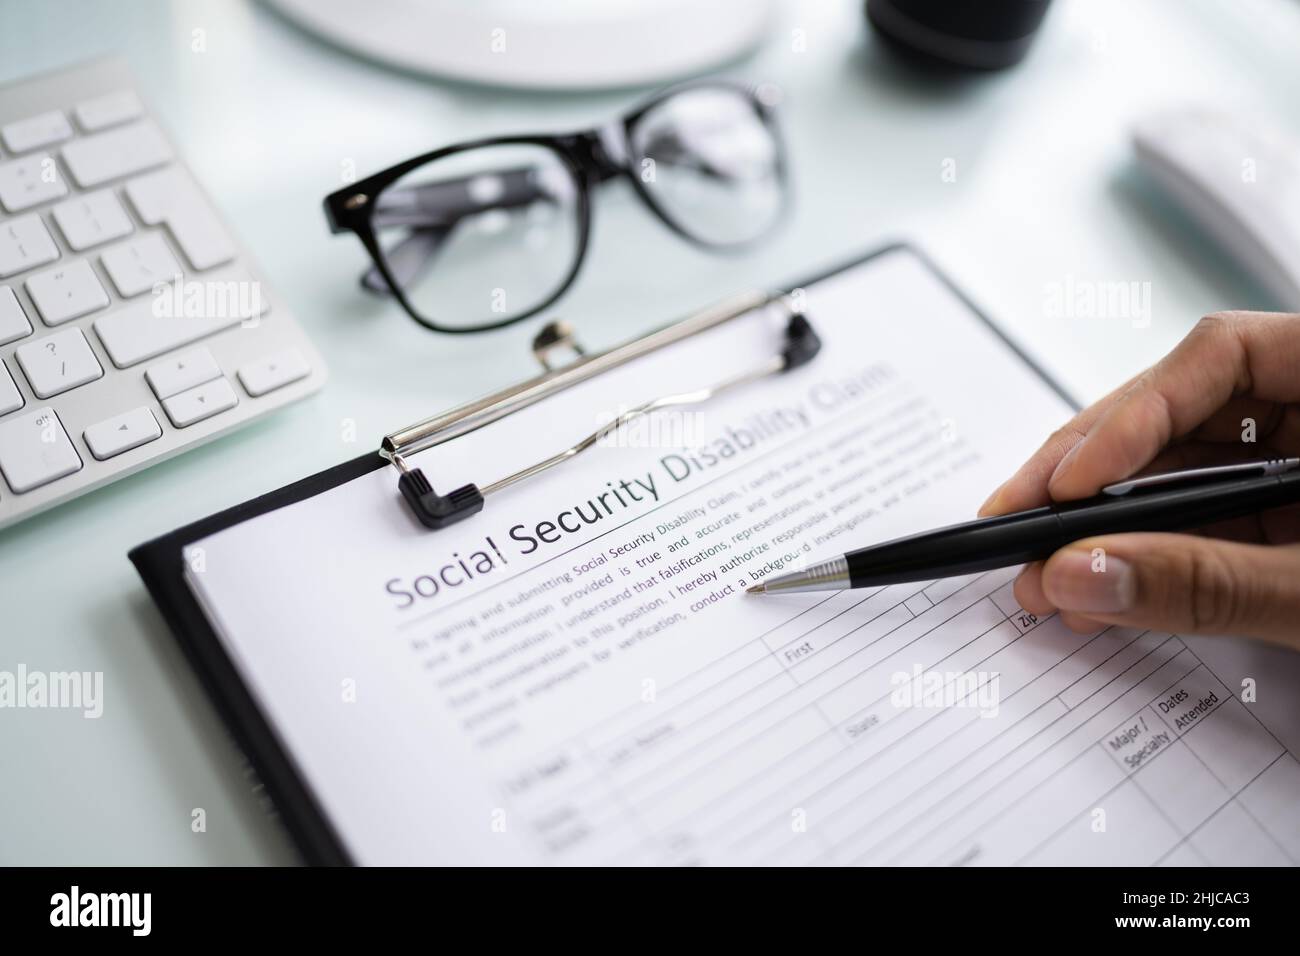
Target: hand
pixel 1188 410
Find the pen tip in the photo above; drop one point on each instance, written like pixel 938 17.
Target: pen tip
pixel 756 589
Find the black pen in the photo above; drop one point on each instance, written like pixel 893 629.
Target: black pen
pixel 1171 501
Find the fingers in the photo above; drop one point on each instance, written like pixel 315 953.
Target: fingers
pixel 1277 526
pixel 1229 423
pixel 1232 367
pixel 1200 454
pixel 1179 583
pixel 1029 590
pixel 1027 488
pixel 1226 355
pixel 1255 354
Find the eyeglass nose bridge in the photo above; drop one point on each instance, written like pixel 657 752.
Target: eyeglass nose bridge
pixel 601 153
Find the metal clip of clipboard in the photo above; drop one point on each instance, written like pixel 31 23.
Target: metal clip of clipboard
pixel 799 346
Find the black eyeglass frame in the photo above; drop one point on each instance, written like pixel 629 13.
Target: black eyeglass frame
pixel 586 156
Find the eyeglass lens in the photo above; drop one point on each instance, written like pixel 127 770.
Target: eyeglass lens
pixel 711 164
pixel 485 235
pixel 480 236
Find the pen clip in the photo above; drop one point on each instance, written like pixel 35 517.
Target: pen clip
pixel 1271 466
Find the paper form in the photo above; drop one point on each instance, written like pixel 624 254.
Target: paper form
pixel 574 676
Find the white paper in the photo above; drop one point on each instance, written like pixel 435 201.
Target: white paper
pixel 605 693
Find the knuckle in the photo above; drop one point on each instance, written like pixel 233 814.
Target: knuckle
pixel 1192 588
pixel 1218 320
pixel 1143 384
pixel 1217 597
pixel 1063 439
pixel 1156 572
pixel 1219 329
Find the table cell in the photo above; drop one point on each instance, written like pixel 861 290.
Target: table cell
pixel 1233 744
pixel 1190 700
pixel 1181 787
pixel 1232 838
pixel 1120 830
pixel 1273 799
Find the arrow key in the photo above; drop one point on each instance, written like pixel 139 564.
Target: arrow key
pixel 273 371
pixel 204 401
pixel 122 433
pixel 182 372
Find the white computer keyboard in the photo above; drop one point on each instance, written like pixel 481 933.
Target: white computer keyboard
pixel 132 324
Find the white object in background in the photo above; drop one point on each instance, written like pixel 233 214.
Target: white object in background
pixel 122 433
pixel 1240 181
pixel 102 421
pixel 201 402
pixel 35 450
pixel 578 44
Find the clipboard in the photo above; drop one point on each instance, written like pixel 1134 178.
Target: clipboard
pixel 161 566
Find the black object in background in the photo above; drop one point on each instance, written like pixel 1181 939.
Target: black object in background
pixel 973 34
pixel 706 157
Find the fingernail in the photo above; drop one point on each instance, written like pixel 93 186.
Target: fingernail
pixel 991 501
pixel 1081 580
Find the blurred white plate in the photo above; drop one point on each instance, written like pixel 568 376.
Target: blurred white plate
pixel 548 44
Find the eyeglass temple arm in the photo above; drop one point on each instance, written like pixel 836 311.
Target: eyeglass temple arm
pixel 669 150
pixel 406 259
pixel 438 511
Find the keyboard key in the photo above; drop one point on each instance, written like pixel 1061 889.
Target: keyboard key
pixel 58 362
pixel 29 182
pixel 35 450
pixel 182 372
pixel 67 292
pixel 169 196
pixel 36 131
pixel 10 398
pixel 108 110
pixel 143 331
pixel 94 160
pixel 199 403
pixel 134 334
pixel 122 433
pixel 138 265
pixel 91 219
pixel 24 244
pixel 272 372
pixel 13 320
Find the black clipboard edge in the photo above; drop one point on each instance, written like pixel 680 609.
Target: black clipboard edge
pixel 161 567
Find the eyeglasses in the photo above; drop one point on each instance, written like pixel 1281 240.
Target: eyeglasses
pixel 481 234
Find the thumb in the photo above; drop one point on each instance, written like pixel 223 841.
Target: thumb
pixel 1182 583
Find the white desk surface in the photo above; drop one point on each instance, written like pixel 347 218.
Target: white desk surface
pixel 270 119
